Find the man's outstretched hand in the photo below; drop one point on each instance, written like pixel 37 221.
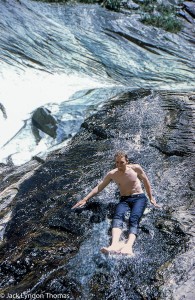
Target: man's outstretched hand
pixel 81 203
pixel 153 201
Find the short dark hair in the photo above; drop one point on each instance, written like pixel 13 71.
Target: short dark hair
pixel 121 154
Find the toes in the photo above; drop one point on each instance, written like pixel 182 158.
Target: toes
pixel 104 250
pixel 127 254
pixel 107 250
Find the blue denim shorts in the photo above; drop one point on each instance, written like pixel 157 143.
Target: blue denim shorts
pixel 135 204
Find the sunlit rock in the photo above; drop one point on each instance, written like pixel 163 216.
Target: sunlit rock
pixel 190 8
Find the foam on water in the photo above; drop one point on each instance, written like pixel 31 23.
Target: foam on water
pixel 23 91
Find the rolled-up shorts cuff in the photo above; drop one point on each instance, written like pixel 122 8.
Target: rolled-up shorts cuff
pixel 116 223
pixel 133 230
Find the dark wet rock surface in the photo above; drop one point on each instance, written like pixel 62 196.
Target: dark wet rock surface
pixel 3 110
pixel 43 120
pixel 49 248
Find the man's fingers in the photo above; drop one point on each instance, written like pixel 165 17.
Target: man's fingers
pixel 157 205
pixel 76 205
pixel 79 204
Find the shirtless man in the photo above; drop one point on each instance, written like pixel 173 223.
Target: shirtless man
pixel 128 177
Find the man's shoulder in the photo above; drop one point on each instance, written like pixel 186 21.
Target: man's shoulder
pixel 112 172
pixel 134 166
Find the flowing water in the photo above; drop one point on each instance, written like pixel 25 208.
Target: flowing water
pixel 72 59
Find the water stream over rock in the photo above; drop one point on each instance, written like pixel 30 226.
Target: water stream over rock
pixel 128 86
pixel 49 248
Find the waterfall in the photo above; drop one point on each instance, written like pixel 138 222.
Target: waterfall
pixel 49 52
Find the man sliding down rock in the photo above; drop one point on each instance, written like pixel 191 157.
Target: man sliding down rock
pixel 128 177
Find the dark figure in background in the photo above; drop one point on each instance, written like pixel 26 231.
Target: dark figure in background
pixel 128 177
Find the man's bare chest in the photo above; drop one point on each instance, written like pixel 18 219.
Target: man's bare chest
pixel 127 178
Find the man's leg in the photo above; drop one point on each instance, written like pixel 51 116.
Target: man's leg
pixel 116 233
pixel 138 207
pixel 117 225
pixel 128 247
pixel 115 245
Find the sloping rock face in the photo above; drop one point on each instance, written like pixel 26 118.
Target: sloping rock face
pixel 49 249
pixel 190 8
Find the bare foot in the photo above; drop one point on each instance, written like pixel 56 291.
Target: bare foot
pixel 113 248
pixel 126 250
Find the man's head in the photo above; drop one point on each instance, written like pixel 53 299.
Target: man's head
pixel 121 160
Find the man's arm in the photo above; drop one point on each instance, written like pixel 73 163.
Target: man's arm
pixel 142 176
pixel 95 191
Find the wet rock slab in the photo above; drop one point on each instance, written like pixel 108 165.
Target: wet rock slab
pixel 48 247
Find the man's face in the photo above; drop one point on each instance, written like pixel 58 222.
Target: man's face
pixel 121 163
